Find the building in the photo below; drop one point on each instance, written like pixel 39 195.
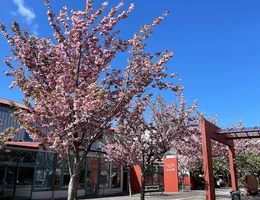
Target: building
pixel 29 171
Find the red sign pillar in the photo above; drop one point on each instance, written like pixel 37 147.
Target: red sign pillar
pixel 171 183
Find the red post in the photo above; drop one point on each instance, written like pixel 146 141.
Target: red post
pixel 233 172
pixel 207 159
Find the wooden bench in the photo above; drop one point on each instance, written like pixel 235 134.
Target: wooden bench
pixel 154 188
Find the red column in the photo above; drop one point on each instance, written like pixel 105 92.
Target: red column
pixel 207 159
pixel 171 183
pixel 233 172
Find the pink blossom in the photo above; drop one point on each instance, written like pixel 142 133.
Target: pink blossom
pixel 105 4
pixel 71 93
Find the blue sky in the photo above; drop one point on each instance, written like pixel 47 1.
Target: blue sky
pixel 216 45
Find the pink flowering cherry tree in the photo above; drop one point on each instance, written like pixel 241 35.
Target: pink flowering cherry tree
pixel 247 154
pixel 141 141
pixel 242 147
pixel 71 92
pixel 185 165
pixel 116 151
pixel 6 135
pixel 188 155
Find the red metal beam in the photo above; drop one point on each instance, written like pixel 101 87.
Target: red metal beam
pixel 237 138
pixel 241 131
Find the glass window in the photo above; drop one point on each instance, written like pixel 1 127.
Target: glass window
pixel 24 182
pixel 116 176
pixel 161 170
pixel 39 178
pixel 148 180
pixel 57 179
pixel 148 176
pixel 156 180
pixel 91 182
pixel 44 172
pixel 25 176
pixel 1 189
pixel 92 163
pixel 58 171
pixel 66 176
pixel 11 175
pixel 43 179
pixel 155 168
pixel 10 156
pixel 28 157
pixel 161 174
pixel 104 174
pixel 40 159
pixel 66 180
pixel 2 174
pixel 156 174
pixel 45 160
pixel 82 176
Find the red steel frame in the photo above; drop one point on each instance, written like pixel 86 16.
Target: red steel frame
pixel 210 131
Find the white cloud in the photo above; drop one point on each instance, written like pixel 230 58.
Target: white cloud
pixel 24 11
pixel 27 13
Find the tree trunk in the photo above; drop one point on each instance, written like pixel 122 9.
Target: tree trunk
pixel 73 186
pixel 74 166
pixel 142 191
pixel 129 183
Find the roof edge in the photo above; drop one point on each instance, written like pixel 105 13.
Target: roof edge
pixel 10 103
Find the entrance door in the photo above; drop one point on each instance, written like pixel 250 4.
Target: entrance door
pixel 24 182
pixel 125 181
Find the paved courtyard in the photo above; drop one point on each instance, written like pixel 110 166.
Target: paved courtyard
pixel 222 194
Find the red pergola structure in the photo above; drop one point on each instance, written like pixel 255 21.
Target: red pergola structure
pixel 210 131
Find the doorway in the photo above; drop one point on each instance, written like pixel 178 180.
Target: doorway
pixel 16 181
pixel 125 181
pixel 24 182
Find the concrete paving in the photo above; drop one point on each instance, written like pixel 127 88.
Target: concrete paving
pixel 222 194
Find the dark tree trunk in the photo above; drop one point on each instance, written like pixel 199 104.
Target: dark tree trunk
pixel 142 191
pixel 182 182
